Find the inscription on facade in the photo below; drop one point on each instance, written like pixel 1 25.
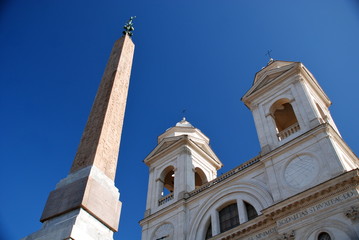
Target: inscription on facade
pixel 264 234
pixel 313 209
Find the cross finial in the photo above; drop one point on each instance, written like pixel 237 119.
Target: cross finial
pixel 184 114
pixel 129 27
pixel 270 57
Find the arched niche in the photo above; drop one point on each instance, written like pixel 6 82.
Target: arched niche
pixel 167 179
pixel 199 177
pixel 283 114
pixel 284 117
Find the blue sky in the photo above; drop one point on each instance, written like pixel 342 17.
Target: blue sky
pixel 195 55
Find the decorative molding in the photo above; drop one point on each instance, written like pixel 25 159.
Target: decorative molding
pixel 300 78
pixel 340 184
pixel 165 199
pixel 148 212
pixel 186 150
pixel 225 176
pixel 165 231
pixel 287 236
pixel 352 213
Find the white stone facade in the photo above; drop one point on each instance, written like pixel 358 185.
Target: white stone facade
pixel 303 185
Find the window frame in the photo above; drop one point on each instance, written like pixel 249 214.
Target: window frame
pixel 228 217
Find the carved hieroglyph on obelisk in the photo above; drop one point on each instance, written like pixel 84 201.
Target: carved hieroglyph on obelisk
pixel 85 205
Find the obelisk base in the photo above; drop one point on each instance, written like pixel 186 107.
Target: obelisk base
pixel 77 225
pixel 84 206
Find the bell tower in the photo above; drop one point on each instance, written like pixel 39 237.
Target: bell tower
pixel 300 143
pixel 181 162
pixel 286 101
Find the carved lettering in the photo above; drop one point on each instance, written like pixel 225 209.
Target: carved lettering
pixel 264 234
pixel 311 210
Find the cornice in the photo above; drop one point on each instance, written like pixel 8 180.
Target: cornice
pixel 164 211
pixel 154 155
pixel 246 229
pixel 183 130
pixel 315 85
pixel 224 178
pixel 186 140
pixel 217 182
pixel 314 194
pixel 253 92
pixel 312 133
pixel 345 181
pixel 297 68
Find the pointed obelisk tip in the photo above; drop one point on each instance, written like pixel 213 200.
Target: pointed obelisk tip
pixel 129 27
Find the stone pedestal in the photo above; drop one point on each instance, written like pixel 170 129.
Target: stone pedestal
pixel 84 205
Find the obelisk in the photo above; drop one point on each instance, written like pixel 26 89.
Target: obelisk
pixel 85 205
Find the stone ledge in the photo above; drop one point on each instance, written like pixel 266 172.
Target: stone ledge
pixel 88 194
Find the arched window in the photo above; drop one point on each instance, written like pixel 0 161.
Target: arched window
pixel 284 116
pixel 166 185
pixel 251 211
pixel 168 182
pixel 285 119
pixel 209 231
pixel 324 236
pixel 228 217
pixel 199 177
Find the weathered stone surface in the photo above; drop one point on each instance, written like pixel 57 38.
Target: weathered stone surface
pixel 102 203
pixel 86 193
pixel 85 205
pixel 100 141
pixel 64 199
pixel 76 224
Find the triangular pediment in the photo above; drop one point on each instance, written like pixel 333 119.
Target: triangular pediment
pixel 268 78
pixel 272 72
pixel 173 142
pixel 163 146
pixel 207 150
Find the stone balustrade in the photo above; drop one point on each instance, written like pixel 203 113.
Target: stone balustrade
pixel 288 131
pixel 215 181
pixel 225 176
pixel 165 199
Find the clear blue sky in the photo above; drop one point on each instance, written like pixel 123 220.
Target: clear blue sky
pixel 198 55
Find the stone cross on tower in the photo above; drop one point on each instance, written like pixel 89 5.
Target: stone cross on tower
pixel 85 205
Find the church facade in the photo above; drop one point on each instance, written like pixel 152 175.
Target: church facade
pixel 303 185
